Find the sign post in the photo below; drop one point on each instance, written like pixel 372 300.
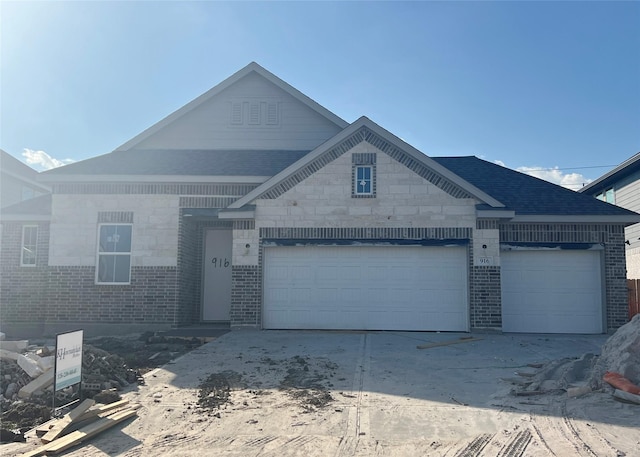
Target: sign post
pixel 68 364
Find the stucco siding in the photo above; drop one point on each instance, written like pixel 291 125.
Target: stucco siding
pixel 209 125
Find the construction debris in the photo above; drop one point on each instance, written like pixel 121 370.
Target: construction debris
pixel 464 339
pixel 60 436
pixel 618 366
pixel 109 364
pixel 620 354
pixel 626 396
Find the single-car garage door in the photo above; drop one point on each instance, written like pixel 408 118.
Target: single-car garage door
pixel 551 291
pixel 365 287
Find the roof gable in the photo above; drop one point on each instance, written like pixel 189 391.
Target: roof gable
pixel 215 108
pixel 366 130
pixel 622 171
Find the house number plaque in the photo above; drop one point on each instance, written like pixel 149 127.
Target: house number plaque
pixel 219 262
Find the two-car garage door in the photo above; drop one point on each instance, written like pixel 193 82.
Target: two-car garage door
pixel 366 287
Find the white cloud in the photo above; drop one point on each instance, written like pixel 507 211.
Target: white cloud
pixel 573 181
pixel 42 160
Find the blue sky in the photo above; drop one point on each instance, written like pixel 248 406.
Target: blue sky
pixel 528 84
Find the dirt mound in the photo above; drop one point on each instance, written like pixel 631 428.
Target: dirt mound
pixel 215 391
pixel 620 354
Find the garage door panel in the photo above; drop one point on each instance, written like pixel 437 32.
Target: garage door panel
pixel 382 288
pixel 551 291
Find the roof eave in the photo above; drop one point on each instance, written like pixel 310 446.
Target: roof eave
pixel 619 171
pixel 626 219
pixel 25 218
pixel 495 214
pixel 155 179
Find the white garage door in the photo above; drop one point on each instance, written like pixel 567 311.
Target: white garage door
pixel 365 287
pixel 551 291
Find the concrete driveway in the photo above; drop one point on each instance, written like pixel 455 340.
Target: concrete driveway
pixel 314 393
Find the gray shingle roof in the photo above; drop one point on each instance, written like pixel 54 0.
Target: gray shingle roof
pixel 526 194
pixel 183 162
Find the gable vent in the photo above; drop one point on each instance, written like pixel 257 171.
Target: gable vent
pixel 236 113
pixel 255 113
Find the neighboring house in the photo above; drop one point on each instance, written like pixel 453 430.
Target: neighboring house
pixel 621 187
pixel 256 206
pixel 18 182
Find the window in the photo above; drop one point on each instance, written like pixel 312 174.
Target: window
pixel 114 254
pixel 29 246
pixel 363 180
pixel 364 175
pixel 608 196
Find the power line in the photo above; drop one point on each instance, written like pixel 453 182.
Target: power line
pixel 569 168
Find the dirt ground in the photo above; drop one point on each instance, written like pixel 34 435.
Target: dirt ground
pixel 373 394
pixel 105 359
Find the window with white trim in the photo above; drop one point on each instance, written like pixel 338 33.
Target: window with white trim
pixel 364 175
pixel 363 182
pixel 29 251
pixel 114 254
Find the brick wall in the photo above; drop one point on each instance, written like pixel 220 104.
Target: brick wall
pixel 246 296
pixel 485 297
pixel 22 289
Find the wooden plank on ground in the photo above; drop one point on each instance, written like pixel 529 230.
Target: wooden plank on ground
pixel 74 438
pixel 41 382
pixel 44 427
pixel 100 410
pixel 91 413
pixel 626 396
pixel 8 355
pixel 89 431
pixel 63 423
pixel 447 343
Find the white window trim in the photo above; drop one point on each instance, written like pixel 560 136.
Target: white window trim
pixel 35 263
pixel 98 254
pixel 355 178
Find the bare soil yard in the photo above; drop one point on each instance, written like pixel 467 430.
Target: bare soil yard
pixel 275 393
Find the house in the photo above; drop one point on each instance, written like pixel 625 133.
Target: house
pixel 18 182
pixel 255 206
pixel 621 186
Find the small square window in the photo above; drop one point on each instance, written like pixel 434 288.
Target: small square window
pixel 363 180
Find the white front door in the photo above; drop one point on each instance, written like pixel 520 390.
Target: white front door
pixel 551 291
pixel 216 296
pixel 366 288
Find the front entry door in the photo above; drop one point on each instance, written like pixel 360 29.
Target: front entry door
pixel 216 300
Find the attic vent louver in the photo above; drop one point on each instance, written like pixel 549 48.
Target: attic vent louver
pixel 255 113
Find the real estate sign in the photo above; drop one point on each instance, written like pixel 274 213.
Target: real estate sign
pixel 68 370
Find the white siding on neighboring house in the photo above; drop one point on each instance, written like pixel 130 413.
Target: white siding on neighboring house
pixel 74 228
pixel 627 194
pixel 251 114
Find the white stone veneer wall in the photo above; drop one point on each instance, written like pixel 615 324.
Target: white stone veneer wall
pixel 74 228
